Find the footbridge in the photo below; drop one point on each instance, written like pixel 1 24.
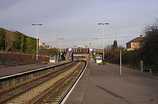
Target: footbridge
pixel 84 53
pixel 76 53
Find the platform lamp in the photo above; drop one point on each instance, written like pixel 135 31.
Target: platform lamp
pixel 60 46
pixel 95 43
pixel 103 37
pixel 37 41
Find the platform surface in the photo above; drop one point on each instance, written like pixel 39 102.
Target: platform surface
pixel 103 85
pixel 23 68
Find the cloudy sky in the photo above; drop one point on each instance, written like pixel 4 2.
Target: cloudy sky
pixel 77 20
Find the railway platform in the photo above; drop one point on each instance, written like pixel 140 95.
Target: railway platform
pixel 23 68
pixel 102 84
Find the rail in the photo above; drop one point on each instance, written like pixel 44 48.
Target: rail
pixel 17 92
pixel 66 95
pixel 51 90
pixel 12 80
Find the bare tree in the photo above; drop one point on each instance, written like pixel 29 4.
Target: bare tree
pixel 107 48
pixel 8 40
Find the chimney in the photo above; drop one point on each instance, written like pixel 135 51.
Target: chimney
pixel 141 36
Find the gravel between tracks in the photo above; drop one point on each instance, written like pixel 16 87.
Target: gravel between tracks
pixel 26 97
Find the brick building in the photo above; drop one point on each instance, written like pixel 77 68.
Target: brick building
pixel 134 43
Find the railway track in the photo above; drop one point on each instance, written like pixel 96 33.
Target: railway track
pixel 49 88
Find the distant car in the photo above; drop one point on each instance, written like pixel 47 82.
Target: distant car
pixel 99 60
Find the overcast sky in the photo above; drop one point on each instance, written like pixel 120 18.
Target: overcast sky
pixel 77 20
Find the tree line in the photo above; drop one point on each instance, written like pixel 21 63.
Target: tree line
pixel 14 41
pixel 148 53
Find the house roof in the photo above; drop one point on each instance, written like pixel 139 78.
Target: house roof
pixel 137 39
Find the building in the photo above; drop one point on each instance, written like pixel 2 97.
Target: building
pixel 80 46
pixel 48 47
pixel 134 43
pixel 42 45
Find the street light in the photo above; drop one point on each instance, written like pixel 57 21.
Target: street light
pixel 89 44
pixel 37 41
pixel 103 37
pixel 60 46
pixel 95 42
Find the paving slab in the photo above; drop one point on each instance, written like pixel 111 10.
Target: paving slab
pixel 102 84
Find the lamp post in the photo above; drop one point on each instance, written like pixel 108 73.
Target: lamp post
pixel 120 63
pixel 60 46
pixel 37 41
pixel 95 42
pixel 89 50
pixel 89 44
pixel 103 37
